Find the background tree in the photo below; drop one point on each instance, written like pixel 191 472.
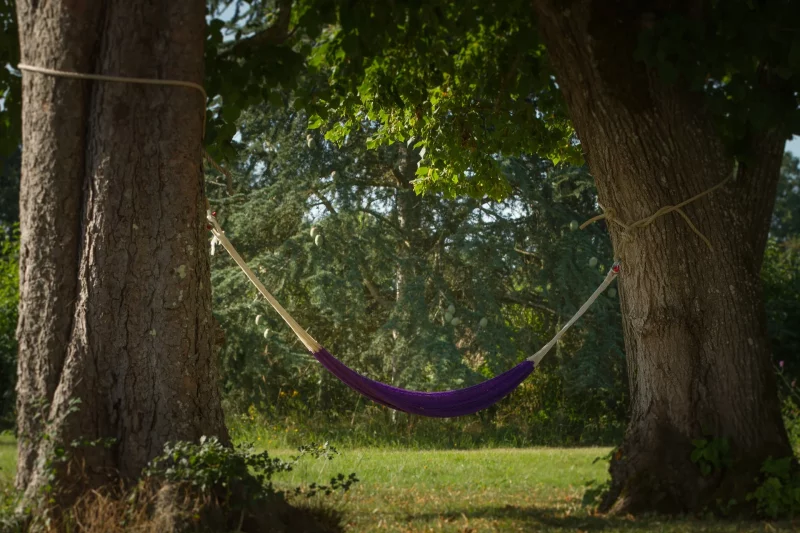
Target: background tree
pixel 786 215
pixel 10 94
pixel 781 272
pixel 9 299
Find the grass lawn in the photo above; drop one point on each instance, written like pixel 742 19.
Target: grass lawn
pixel 8 460
pixel 467 491
pixel 474 491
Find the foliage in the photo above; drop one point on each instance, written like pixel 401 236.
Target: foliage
pixel 384 288
pixel 778 490
pixel 791 419
pixel 371 426
pixel 593 491
pixel 209 465
pixel 778 495
pixel 470 83
pixel 790 394
pixel 465 81
pixel 780 274
pixel 9 188
pixel 10 86
pixel 750 79
pixel 786 214
pixel 240 472
pixel 9 298
pixel 711 454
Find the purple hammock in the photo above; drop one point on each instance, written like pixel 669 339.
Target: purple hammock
pixel 444 404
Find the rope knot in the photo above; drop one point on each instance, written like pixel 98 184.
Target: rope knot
pixel 626 235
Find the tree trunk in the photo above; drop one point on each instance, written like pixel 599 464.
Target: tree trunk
pixel 410 287
pixel 115 287
pixel 694 320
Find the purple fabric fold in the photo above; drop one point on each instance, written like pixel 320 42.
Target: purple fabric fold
pixel 445 404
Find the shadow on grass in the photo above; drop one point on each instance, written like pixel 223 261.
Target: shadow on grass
pixel 537 518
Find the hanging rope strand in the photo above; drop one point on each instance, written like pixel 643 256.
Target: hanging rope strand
pixel 314 346
pixel 307 340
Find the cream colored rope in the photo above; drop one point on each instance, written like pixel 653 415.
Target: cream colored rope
pixel 587 304
pixel 121 79
pixel 628 229
pixel 312 345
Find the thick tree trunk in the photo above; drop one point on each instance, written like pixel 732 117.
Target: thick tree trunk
pixel 115 287
pixel 694 322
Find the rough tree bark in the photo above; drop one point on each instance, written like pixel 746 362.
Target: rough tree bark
pixel 694 321
pixel 115 289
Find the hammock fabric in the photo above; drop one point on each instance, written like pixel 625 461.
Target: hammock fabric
pixel 443 404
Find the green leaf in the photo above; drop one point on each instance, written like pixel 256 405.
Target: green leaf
pixel 315 121
pixel 696 455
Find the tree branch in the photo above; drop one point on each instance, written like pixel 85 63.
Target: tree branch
pixel 380 217
pixel 529 254
pixel 375 184
pixel 225 173
pixel 520 299
pixel 401 180
pixel 276 34
pixel 375 293
pixel 328 205
pixel 452 225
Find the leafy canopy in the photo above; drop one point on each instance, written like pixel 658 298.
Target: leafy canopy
pixel 469 82
pixel 465 82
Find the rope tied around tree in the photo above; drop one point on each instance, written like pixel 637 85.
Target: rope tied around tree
pixel 120 79
pixel 141 81
pixel 628 230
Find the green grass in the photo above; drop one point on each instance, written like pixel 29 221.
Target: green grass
pixel 535 489
pixel 8 459
pixel 370 427
pixel 474 491
pixel 8 462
